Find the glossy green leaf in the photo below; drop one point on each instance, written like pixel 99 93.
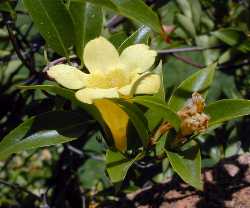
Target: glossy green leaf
pixel 104 3
pixel 54 23
pixel 187 164
pixel 229 36
pixel 228 109
pixel 198 82
pixel 87 20
pixel 118 165
pixel 43 130
pixel 187 24
pixel 134 9
pixel 137 118
pixel 139 36
pixel 160 108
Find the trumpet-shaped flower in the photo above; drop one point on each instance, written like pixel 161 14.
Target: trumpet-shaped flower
pixel 110 75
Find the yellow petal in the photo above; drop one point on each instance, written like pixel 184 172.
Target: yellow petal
pixel 88 95
pixel 68 76
pixel 149 85
pixel 126 90
pixel 117 121
pixel 100 55
pixel 138 57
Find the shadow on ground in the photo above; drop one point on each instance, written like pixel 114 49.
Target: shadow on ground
pixel 225 186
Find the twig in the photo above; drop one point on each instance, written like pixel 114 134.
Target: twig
pixel 186 49
pixel 58 61
pixel 189 61
pixel 115 21
pixel 16 47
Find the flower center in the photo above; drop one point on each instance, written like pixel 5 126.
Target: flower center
pixel 115 78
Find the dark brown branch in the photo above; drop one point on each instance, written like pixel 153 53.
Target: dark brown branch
pixel 186 49
pixel 58 61
pixel 187 60
pixel 16 46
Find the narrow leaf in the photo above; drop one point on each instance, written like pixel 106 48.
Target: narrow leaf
pixel 187 164
pixel 118 165
pixel 229 36
pixel 136 10
pixel 187 24
pixel 137 118
pixel 198 82
pixel 139 36
pixel 87 19
pixel 160 108
pixel 43 130
pixel 54 23
pixel 228 109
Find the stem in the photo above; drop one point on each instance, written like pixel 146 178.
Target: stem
pixel 189 61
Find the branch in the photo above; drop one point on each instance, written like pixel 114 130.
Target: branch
pixel 15 44
pixel 188 60
pixel 58 61
pixel 186 49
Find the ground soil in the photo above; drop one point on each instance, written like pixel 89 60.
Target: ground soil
pixel 225 186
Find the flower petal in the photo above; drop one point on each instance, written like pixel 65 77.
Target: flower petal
pixel 100 55
pixel 68 76
pixel 88 95
pixel 148 85
pixel 138 57
pixel 117 121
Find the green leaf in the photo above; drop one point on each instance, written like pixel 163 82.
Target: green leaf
pixel 160 108
pixel 229 36
pixel 118 165
pixel 104 3
pixel 69 95
pixel 139 36
pixel 187 164
pixel 196 12
pixel 137 118
pixel 187 24
pixel 198 82
pixel 87 20
pixel 6 7
pixel 54 23
pixel 43 130
pixel 185 7
pixel 205 41
pixel 136 10
pixel 228 109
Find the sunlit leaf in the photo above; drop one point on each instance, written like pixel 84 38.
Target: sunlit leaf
pixel 118 165
pixel 187 164
pixel 43 130
pixel 198 82
pixel 87 20
pixel 228 109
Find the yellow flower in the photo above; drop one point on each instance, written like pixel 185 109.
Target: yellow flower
pixel 110 75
